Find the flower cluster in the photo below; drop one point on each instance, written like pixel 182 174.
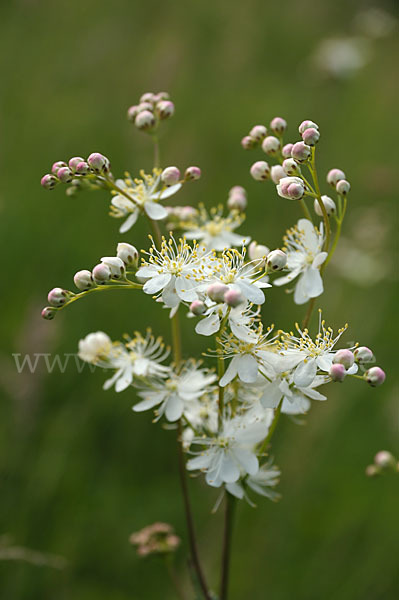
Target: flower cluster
pixel 150 111
pixel 158 538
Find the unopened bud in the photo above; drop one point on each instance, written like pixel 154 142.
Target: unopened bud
pixel 165 109
pixel 343 187
pixel 307 125
pixel 271 145
pixel 257 251
pixel 234 298
pixel 258 132
pixel 57 165
pixel 301 152
pixel 82 168
pixel 132 113
pixel 276 260
pixel 384 459
pixel 260 170
pixel 337 372
pixel 192 173
pixel 145 106
pixel 237 201
pixel 248 142
pixel 216 291
pixel 74 162
pixel 65 175
pixel 278 125
pixel 57 297
pixel 277 172
pixel 237 189
pixel 170 176
pixel 291 167
pixel 115 265
pixel 363 355
pixel 145 120
pixel 101 273
pixel 286 151
pixel 372 471
pixel 48 313
pixel 97 162
pixel 375 376
pixel 49 181
pixel 329 205
pixel 344 357
pixel 83 280
pixel 197 308
pixel 291 188
pixel 147 97
pixel 311 136
pixel 127 253
pixel 335 175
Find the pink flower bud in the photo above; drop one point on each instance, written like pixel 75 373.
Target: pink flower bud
pixel 101 274
pixel 277 172
pixel 271 145
pixel 197 307
pixel 344 357
pixel 57 297
pixel 165 109
pixel 65 175
pixel 291 188
pixel 57 165
pixel 216 291
pixel 372 471
pixel 115 265
pixel 128 254
pixel 343 187
pixel 384 459
pixel 170 176
pixel 337 372
pixel 97 162
pixel 74 162
pixel 257 251
pixel 82 168
pixel 307 125
pixel 260 170
pixel 161 96
pixel 132 113
pixel 145 120
pixel 49 181
pixel 276 260
pixel 192 173
pixel 248 142
pixel 335 175
pixel 145 106
pixel 148 97
pixel 234 298
pixel 258 132
pixel 237 201
pixel 278 125
pixel 375 376
pixel 363 355
pixel 83 280
pixel 311 136
pixel 291 167
pixel 301 152
pixel 48 313
pixel 237 189
pixel 286 151
pixel 329 205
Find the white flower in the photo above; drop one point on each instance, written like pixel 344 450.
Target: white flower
pixel 230 453
pixel 240 320
pixel 296 399
pixel 95 347
pixel 303 246
pixel 202 415
pixel 142 195
pixel 262 483
pixel 174 272
pixel 213 231
pixel 173 395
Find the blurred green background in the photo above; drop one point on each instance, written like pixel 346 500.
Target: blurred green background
pixel 79 470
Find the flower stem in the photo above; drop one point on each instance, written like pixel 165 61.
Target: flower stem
pixel 272 428
pixel 305 209
pixel 173 578
pixel 155 231
pixel 337 234
pixel 227 537
pixel 313 171
pixel 306 319
pixel 157 159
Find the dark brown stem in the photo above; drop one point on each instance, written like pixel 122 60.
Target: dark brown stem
pixel 227 536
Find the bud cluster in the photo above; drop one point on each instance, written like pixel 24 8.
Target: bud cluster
pixel 383 461
pixel 344 359
pixel 61 172
pixel 151 109
pixel 158 538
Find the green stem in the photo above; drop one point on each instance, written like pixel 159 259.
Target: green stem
pixel 337 235
pixel 100 288
pixel 173 577
pixel 176 340
pixel 227 537
pixel 155 231
pixel 157 159
pixel 305 210
pixel 273 426
pixel 313 171
pixel 306 319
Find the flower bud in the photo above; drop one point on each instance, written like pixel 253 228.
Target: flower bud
pixel 291 188
pixel 257 251
pixel 329 205
pixel 278 125
pixel 237 201
pixel 132 113
pixel 301 152
pixel 384 459
pixel 197 308
pixel 286 151
pixel 307 125
pixel 375 376
pixel 82 168
pixel 127 253
pixel 97 162
pixel 145 120
pixel 372 471
pixel 237 189
pixel 260 170
pixel 271 145
pixel 57 165
pixel 276 260
pixel 335 175
pixel 83 280
pixel 277 173
pixel 170 176
pixel 48 313
pixel 311 136
pixel 363 355
pixel 337 372
pixel 115 265
pixel 57 297
pixel 291 167
pixel 192 173
pixel 49 181
pixel 148 97
pixel 344 357
pixel 73 162
pixel 258 132
pixel 165 109
pixel 216 291
pixel 343 187
pixel 65 175
pixel 234 298
pixel 101 273
pixel 248 142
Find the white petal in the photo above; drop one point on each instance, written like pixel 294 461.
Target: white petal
pixel 319 259
pixel 286 278
pixel 209 325
pixel 301 296
pixel 199 462
pixel 353 369
pixel 147 271
pixel 235 489
pixel 251 292
pixel 184 289
pixel 271 395
pixel 155 211
pixel 313 282
pixel 152 286
pixel 324 362
pixel 231 372
pixel 247 368
pixel 229 471
pixel 247 460
pixel 305 373
pixel 124 380
pixel 174 408
pixel 130 221
pixel 167 192
pixel 148 403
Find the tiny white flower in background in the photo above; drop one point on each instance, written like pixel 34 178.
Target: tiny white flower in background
pixel 95 347
pixel 173 395
pixel 144 194
pixel 304 249
pixel 262 483
pixel 231 453
pixel 213 231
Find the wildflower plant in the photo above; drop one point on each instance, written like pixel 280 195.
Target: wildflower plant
pixel 226 403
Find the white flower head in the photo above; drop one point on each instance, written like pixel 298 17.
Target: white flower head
pixel 213 231
pixel 241 320
pixel 295 399
pixel 262 483
pixel 304 249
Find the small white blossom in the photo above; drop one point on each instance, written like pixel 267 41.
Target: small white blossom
pixel 213 231
pixel 240 321
pixel 261 483
pixel 95 347
pixel 296 399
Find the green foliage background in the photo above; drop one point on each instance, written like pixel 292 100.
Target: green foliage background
pixel 80 471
